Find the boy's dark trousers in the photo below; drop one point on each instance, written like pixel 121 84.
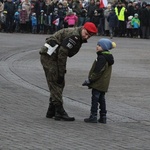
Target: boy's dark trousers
pixel 97 97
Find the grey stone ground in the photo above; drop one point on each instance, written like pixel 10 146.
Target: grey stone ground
pixel 24 98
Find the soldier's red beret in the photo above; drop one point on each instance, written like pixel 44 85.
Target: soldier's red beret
pixel 90 27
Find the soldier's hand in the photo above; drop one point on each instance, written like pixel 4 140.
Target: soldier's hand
pixel 86 82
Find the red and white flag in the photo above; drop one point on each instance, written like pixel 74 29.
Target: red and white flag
pixel 103 3
pixel 56 22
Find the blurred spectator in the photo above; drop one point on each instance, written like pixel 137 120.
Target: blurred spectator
pixel 71 19
pixel 23 17
pixel 144 16
pixel 17 21
pixel 9 7
pixel 27 6
pixel 90 10
pixel 41 22
pixel 113 22
pixel 135 22
pixel 34 23
pixel 106 14
pixel 129 27
pixel 120 12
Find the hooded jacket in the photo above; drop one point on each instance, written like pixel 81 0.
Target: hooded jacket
pixel 100 72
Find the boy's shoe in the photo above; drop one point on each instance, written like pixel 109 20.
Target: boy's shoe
pixel 91 119
pixel 102 119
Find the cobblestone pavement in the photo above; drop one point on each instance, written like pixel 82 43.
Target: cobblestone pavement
pixel 24 98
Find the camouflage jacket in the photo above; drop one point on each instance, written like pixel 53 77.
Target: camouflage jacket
pixel 69 41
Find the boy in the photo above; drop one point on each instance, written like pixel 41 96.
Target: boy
pixel 34 23
pixel 135 22
pixel 99 78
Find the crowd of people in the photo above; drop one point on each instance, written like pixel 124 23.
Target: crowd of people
pixel 118 18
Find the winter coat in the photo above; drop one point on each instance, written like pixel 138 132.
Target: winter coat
pixel 130 11
pixel 106 14
pixel 112 20
pixel 71 19
pixel 100 72
pixel 1 6
pixel 135 23
pixel 90 10
pixel 23 16
pixel 10 8
pixel 27 6
pixel 144 16
pixel 34 21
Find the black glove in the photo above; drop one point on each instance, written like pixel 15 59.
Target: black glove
pixel 60 80
pixel 86 82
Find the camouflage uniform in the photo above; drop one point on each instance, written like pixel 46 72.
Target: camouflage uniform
pixel 69 41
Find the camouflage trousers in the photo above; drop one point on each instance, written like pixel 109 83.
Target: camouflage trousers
pixel 51 73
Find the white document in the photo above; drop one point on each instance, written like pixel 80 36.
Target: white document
pixel 50 48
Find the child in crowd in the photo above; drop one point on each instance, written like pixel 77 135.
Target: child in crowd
pixel 23 20
pixel 17 21
pixel 41 21
pixel 136 25
pixel 34 23
pixel 55 20
pixel 3 16
pixel 129 27
pixel 99 78
pixel 71 18
pixel 113 22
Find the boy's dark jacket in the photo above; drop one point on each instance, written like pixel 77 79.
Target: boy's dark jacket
pixel 100 72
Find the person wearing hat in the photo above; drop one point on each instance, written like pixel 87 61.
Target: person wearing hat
pixel 135 22
pixel 98 80
pixel 144 16
pixel 57 48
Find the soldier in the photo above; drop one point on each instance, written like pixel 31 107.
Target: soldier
pixel 62 44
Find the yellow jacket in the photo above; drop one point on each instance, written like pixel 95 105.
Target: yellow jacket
pixel 121 15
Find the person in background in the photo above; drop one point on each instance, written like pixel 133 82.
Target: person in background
pixel 1 13
pixel 99 78
pixel 23 17
pixel 27 6
pixel 17 21
pixel 144 16
pixel 34 23
pixel 135 22
pixel 58 47
pixel 3 21
pixel 41 22
pixel 9 7
pixel 106 14
pixel 120 11
pixel 129 27
pixel 71 19
pixel 113 22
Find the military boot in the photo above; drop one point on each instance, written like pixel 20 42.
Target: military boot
pixel 60 114
pixel 102 118
pixel 51 111
pixel 91 119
